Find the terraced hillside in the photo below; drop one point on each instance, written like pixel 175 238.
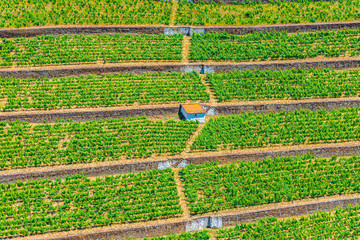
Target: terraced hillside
pixel 93 146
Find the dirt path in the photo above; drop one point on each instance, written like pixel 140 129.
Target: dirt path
pixel 180 188
pixel 175 5
pixel 191 140
pixel 186 49
pixel 212 100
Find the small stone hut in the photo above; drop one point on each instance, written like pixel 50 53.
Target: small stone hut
pixel 193 111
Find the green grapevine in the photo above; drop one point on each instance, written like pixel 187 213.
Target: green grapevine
pixel 251 130
pixel 78 202
pixel 105 90
pixel 284 84
pixel 339 224
pixel 200 235
pixel 17 13
pixel 275 45
pixel 277 12
pixel 210 187
pixel 25 145
pixel 71 49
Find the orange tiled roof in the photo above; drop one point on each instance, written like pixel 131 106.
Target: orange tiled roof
pixel 193 108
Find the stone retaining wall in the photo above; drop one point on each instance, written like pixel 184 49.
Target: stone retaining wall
pixel 96 70
pixel 292 28
pixel 51 116
pixel 186 30
pixel 279 107
pixel 317 151
pixel 236 2
pixel 129 232
pixel 35 31
pixel 203 68
pixel 88 114
pixel 333 63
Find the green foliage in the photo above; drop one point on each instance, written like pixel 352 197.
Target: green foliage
pixel 24 145
pixel 200 235
pixel 105 90
pixel 340 224
pixel 251 130
pixel 18 13
pixel 284 84
pixel 275 45
pixel 277 12
pixel 210 187
pixel 71 49
pixel 77 202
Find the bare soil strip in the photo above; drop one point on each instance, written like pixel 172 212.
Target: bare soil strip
pixel 164 227
pixel 166 66
pixel 212 100
pixel 156 29
pixel 136 165
pixel 186 49
pixel 175 5
pixel 185 152
pixel 180 188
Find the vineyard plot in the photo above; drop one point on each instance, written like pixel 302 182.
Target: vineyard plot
pixel 105 90
pixel 284 84
pixel 70 12
pixel 71 49
pixel 200 235
pixel 339 224
pixel 280 12
pixel 24 145
pixel 251 130
pixel 210 187
pixel 77 202
pixel 275 46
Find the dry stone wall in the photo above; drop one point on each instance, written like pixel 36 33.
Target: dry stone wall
pixel 88 114
pixel 85 115
pixel 312 105
pixel 203 68
pixel 186 30
pixel 235 2
pixel 129 232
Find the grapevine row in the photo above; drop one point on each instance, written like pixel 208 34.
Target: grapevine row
pixel 209 187
pixel 275 46
pixel 284 84
pixel 340 224
pixel 78 202
pixel 277 12
pixel 251 130
pixel 70 12
pixel 24 145
pixel 71 49
pixel 104 90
